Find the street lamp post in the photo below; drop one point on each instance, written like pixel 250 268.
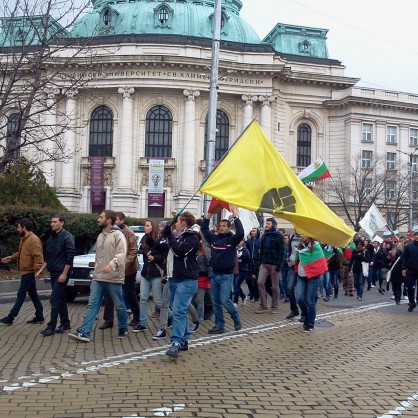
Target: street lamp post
pixel 411 189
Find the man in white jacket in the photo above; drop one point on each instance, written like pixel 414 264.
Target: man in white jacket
pixel 108 276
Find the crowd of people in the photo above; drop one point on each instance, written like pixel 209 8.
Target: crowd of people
pixel 195 272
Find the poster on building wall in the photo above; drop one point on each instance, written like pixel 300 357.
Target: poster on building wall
pixel 156 176
pixel 97 181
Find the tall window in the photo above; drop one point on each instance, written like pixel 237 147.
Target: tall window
pixel 163 15
pixel 222 135
pixel 366 159
pixel 390 189
pixel 367 132
pixel 13 134
pixel 390 161
pixel 391 135
pixel 158 133
pixel 367 187
pixel 101 132
pixel 414 161
pixel 413 136
pixel 304 144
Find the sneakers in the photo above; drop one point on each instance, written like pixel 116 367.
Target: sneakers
pixel 236 305
pixel 326 299
pixel 292 314
pixel 274 311
pixel 195 326
pixel 106 324
pixel 7 320
pixel 79 337
pixel 140 328
pixel 359 298
pixel 185 346
pixel 216 330
pixel 36 320
pixel 134 323
pixel 412 306
pixel 237 325
pixel 302 318
pixel 173 351
pixel 48 331
pixel 123 333
pixel 308 328
pixel 62 328
pixel 261 310
pixel 160 335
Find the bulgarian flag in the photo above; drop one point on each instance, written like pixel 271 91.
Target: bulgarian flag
pixel 313 260
pixel 314 172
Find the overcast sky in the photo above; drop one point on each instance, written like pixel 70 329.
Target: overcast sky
pixel 375 41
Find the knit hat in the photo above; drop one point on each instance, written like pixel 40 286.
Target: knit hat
pixel 163 224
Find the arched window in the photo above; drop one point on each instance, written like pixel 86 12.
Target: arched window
pixel 13 135
pixel 222 135
pixel 303 158
pixel 101 132
pixel 158 133
pixel 163 15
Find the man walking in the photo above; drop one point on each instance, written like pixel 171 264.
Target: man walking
pixel 108 276
pixel 60 252
pixel 272 253
pixel 29 259
pixel 223 248
pixel 131 267
pixel 410 270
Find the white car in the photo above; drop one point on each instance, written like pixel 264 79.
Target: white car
pixel 83 266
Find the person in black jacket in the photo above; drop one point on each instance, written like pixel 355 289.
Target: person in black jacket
pixel 360 255
pixel 185 245
pixel 60 252
pixel 410 270
pixel 223 247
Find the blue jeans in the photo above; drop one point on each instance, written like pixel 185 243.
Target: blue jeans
pixel 58 302
pixel 154 284
pixel 220 289
pixel 335 278
pixel 238 280
pixel 290 290
pixel 306 296
pixel 97 291
pixel 358 282
pixel 283 280
pixel 27 285
pixel 181 294
pixel 326 279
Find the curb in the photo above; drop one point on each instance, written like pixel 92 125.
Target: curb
pixel 8 290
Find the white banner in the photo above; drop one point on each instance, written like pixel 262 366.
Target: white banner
pixel 372 221
pixel 248 219
pixel 156 176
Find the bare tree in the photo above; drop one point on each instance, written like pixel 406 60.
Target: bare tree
pixel 368 182
pixel 35 50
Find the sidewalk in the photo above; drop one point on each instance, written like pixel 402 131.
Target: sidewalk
pixel 8 289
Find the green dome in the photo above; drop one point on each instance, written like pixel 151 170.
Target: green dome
pixel 175 17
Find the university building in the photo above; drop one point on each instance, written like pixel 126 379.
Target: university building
pixel 140 118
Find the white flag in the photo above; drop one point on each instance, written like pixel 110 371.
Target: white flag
pixel 372 221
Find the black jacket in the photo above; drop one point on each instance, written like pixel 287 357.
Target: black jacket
pixel 223 247
pixel 410 257
pixel 159 250
pixel 273 249
pixel 358 257
pixel 60 250
pixel 185 248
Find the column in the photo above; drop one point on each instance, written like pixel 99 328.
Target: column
pixel 189 140
pixel 50 132
pixel 248 109
pixel 126 140
pixel 68 169
pixel 266 102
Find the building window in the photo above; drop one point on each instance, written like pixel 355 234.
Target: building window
pixel 367 187
pixel 101 132
pixel 222 135
pixel 391 135
pixel 107 17
pixel 414 161
pixel 413 136
pixel 390 189
pixel 304 141
pixel 367 132
pixel 163 15
pixel 366 159
pixel 414 191
pixel 158 133
pixel 390 161
pixel 13 135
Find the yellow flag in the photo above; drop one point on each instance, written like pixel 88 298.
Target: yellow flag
pixel 253 175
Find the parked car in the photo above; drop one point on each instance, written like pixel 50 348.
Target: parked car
pixel 82 272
